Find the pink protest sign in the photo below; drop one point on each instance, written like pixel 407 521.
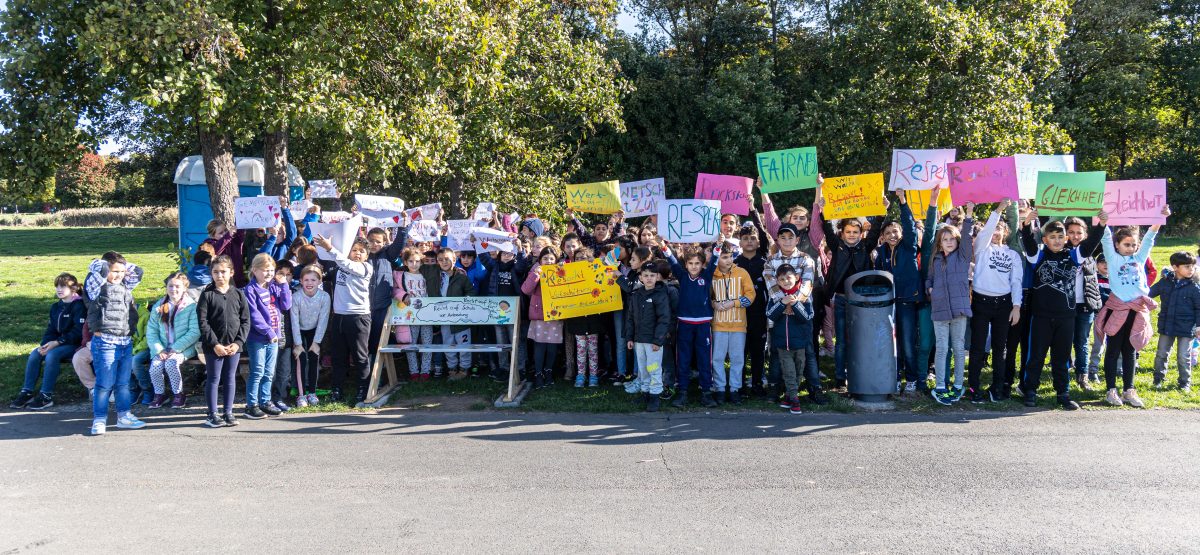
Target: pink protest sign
pixel 732 190
pixel 1135 201
pixel 985 180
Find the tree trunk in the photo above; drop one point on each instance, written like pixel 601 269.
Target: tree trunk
pixel 275 180
pixel 220 174
pixel 458 204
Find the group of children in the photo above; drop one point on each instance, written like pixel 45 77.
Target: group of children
pixel 765 294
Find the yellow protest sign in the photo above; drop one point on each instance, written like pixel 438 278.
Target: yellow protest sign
pixel 578 289
pixel 853 196
pixel 601 197
pixel 918 201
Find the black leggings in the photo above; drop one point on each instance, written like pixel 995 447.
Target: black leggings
pixel 989 314
pixel 1118 345
pixel 349 342
pixel 543 358
pixel 309 364
pixel 220 371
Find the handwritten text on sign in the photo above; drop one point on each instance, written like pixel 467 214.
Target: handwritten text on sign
pixel 1069 194
pixel 689 221
pixel 602 197
pixel 436 311
pixel 641 198
pixel 487 239
pixel 918 201
pixel 379 204
pixel 256 212
pixel 986 180
pixel 458 234
pixel 732 190
pixel 578 289
pixel 919 169
pixel 853 196
pixel 788 170
pixel 1028 166
pixel 1135 201
pixel 425 212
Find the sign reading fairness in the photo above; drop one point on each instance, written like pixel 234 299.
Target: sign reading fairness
pixel 919 169
pixel 732 190
pixel 641 198
pixel 853 196
pixel 986 180
pixel 437 311
pixel 1135 201
pixel 602 197
pixel 1069 194
pixel 689 221
pixel 788 170
pixel 256 212
pixel 578 289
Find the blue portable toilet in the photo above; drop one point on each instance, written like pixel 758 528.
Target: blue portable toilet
pixel 195 209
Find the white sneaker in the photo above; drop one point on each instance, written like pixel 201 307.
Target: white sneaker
pixel 910 387
pixel 1131 398
pixel 130 422
pixel 1113 398
pixel 98 427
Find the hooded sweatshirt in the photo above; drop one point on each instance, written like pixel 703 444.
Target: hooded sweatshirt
pixel 734 285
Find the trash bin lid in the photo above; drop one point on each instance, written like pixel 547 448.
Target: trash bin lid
pixel 872 286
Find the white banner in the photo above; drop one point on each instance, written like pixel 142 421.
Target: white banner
pixel 341 234
pixel 458 234
pixel 690 220
pixel 492 240
pixel 256 212
pixel 641 198
pixel 425 212
pixel 379 204
pixel 1028 166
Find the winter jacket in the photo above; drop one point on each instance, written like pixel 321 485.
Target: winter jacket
pixel 224 318
pixel 113 311
pixel 183 324
pixel 901 261
pixel 532 288
pixel 66 323
pixel 949 279
pixel 737 286
pixel 263 300
pixel 648 316
pixel 231 245
pixel 588 240
pixel 591 324
pixel 97 276
pixel 501 279
pixel 695 306
pixel 847 259
pixel 139 334
pixel 1112 318
pixel 1053 276
pixel 790 331
pixel 1180 305
pixel 476 274
pixel 381 270
pixel 198 278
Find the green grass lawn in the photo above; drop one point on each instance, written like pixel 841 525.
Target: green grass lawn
pixel 31 258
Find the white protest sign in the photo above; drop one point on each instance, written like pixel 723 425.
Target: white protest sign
pixel 689 220
pixel 425 212
pixel 379 204
pixel 488 239
pixel 322 188
pixel 334 217
pixel 424 231
pixel 1028 166
pixel 920 169
pixel 641 198
pixel 299 209
pixel 484 211
pixel 458 234
pixel 256 212
pixel 382 219
pixel 341 234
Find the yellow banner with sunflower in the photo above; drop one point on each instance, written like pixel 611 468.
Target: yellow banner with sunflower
pixel 579 289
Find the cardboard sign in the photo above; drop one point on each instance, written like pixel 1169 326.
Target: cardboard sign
pixel 984 180
pixel 341 234
pixel 458 234
pixel 425 231
pixel 1069 194
pixel 1028 166
pixel 918 202
pixel 425 212
pixel 689 221
pixel 256 212
pixel 299 209
pixel 601 197
pixel 788 170
pixel 449 311
pixel 919 169
pixel 382 219
pixel 578 289
pixel 335 216
pixel 732 190
pixel 641 198
pixel 853 196
pixel 1135 201
pixel 322 188
pixel 375 203
pixel 484 211
pixel 492 240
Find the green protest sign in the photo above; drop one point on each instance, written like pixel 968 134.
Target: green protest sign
pixel 788 170
pixel 1069 194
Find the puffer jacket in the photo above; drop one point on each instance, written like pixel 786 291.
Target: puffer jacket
pixel 1180 305
pixel 949 278
pixel 112 311
pixel 648 316
pixel 185 326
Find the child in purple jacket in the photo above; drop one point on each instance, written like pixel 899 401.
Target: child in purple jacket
pixel 269 299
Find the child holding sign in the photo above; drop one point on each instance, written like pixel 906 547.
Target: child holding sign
pixel 587 330
pixel 695 318
pixel 351 321
pixel 949 288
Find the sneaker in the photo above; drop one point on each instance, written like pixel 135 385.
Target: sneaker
pixel 1083 383
pixel 159 400
pixel 679 401
pixel 579 380
pixel 314 401
pixel 254 413
pixel 214 421
pixel 735 397
pixel 708 400
pixel 652 402
pixel 179 401
pixel 335 395
pixel 1158 383
pixel 1185 389
pixel 1065 403
pixel 361 397
pixel 130 422
pixel 910 388
pixel 956 394
pixel 794 407
pixel 282 406
pixel 1113 398
pixel 1093 377
pixel 785 402
pixel 594 381
pixel 995 397
pixel 942 396
pixel 42 401
pixel 1131 398
pixel 538 382
pixel 229 419
pixel 301 401
pixel 899 388
pixel 270 409
pixel 1031 400
pixel 98 426
pixel 22 400
pixel 978 398
pixel 667 393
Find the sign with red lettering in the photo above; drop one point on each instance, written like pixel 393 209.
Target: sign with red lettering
pixel 732 190
pixel 919 169
pixel 1069 194
pixel 986 180
pixel 1135 201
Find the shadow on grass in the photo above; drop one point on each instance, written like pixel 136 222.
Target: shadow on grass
pixel 75 241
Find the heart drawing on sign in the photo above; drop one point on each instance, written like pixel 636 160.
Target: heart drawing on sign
pixel 396 219
pixel 483 244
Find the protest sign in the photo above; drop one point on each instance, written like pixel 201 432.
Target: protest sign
pixel 918 202
pixel 601 197
pixel 335 216
pixel 1069 194
pixel 984 180
pixel 375 203
pixel 915 169
pixel 382 219
pixel 450 311
pixel 732 190
pixel 341 234
pixel 425 212
pixel 484 211
pixel 256 212
pixel 487 239
pixel 689 220
pixel 853 196
pixel 322 188
pixel 424 231
pixel 299 209
pixel 641 198
pixel 578 289
pixel 1028 166
pixel 458 234
pixel 1135 201
pixel 788 170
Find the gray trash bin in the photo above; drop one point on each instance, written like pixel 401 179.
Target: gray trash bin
pixel 870 335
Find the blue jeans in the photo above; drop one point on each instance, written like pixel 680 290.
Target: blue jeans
pixel 906 343
pixel 33 367
pixel 113 363
pixel 839 333
pixel 141 374
pixel 619 326
pixel 262 371
pixel 1083 332
pixel 694 345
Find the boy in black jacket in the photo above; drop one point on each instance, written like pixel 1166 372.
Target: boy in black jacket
pixel 646 324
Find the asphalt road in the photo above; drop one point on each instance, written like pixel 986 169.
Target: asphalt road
pixel 1041 482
